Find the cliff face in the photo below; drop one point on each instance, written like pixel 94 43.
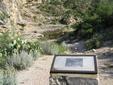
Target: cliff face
pixel 10 13
pixel 13 9
pixel 21 17
pixel 14 12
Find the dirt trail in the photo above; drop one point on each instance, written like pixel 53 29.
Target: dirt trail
pixel 38 73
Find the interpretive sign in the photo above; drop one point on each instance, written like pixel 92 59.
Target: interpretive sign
pixel 80 64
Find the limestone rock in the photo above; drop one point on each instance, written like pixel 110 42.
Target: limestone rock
pixel 68 20
pixel 1 22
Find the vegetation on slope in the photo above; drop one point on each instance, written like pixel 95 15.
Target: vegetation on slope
pixel 92 23
pixel 18 54
pixel 96 17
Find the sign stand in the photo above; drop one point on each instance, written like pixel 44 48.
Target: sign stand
pixel 75 73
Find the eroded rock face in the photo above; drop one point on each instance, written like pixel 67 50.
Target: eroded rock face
pixel 14 8
pixel 18 10
pixel 3 13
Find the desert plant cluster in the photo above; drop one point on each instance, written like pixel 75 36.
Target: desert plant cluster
pixel 18 54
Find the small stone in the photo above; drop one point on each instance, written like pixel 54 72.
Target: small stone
pixel 3 26
pixel 110 65
pixel 34 31
pixel 21 24
pixel 1 22
pixel 22 82
pixel 93 50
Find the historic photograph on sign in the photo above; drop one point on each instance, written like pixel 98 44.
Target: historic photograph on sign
pixel 74 63
pixel 70 62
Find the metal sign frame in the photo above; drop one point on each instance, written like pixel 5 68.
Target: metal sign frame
pixel 75 72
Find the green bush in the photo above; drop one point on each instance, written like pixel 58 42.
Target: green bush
pixel 9 43
pixel 35 54
pixel 55 2
pixel 94 42
pixel 85 30
pixel 53 10
pixel 5 46
pixel 96 20
pixel 79 5
pixel 104 8
pixel 17 52
pixel 52 48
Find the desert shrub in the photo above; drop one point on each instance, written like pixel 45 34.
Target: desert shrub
pixel 9 76
pixel 96 20
pixel 54 10
pixel 33 48
pixel 55 2
pixel 53 34
pixel 52 48
pixel 5 41
pixel 35 54
pixel 63 48
pixel 3 15
pixel 2 60
pixel 20 60
pixel 104 8
pixel 85 30
pixel 17 52
pixel 79 5
pixel 94 42
pixel 9 43
pixel 1 77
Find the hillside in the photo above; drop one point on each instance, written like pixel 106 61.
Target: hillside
pixel 32 31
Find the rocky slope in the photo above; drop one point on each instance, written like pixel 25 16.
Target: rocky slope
pixel 23 17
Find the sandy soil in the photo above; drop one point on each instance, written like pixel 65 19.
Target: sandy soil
pixel 38 73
